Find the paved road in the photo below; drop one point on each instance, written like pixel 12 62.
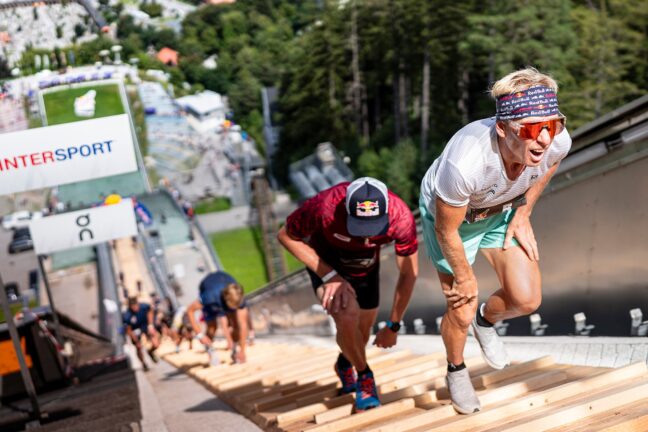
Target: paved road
pixel 239 217
pixel 15 268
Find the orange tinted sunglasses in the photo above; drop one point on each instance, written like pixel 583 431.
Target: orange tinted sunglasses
pixel 533 130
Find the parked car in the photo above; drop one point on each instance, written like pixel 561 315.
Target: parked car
pixel 21 241
pixel 19 219
pixel 11 288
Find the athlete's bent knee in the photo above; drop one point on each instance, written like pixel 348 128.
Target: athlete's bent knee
pixel 462 316
pixel 527 307
pixel 348 317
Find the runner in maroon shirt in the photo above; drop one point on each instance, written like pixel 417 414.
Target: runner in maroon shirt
pixel 338 234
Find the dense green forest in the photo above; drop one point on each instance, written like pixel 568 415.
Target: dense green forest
pixel 389 81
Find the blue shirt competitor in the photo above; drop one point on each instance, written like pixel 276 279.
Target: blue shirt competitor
pixel 137 320
pixel 211 295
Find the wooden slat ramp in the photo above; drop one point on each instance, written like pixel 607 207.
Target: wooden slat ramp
pixel 293 388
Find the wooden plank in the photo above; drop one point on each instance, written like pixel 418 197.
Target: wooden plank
pixel 513 371
pixel 309 411
pixel 325 391
pixel 411 367
pixel 521 405
pixel 377 364
pixel 474 362
pixel 253 395
pixel 315 398
pixel 629 417
pixel 334 414
pixel 442 415
pixel 388 398
pixel 266 377
pixel 591 406
pixel 501 390
pixel 634 424
pixel 296 375
pixel 355 421
pixel 310 405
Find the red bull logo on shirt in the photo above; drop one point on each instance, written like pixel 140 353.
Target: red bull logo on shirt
pixel 367 208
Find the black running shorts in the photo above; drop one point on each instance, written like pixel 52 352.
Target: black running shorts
pixel 367 287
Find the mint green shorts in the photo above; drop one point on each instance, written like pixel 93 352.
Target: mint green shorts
pixel 484 234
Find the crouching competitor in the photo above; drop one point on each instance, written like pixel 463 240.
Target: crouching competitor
pixel 338 235
pixel 138 321
pixel 222 304
pixel 479 195
pixel 181 328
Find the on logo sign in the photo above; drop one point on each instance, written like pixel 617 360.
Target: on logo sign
pixel 82 222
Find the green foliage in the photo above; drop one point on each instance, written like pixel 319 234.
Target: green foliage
pixel 151 8
pixel 597 50
pixel 212 205
pixel 88 53
pixel 5 72
pixel 79 30
pixel 137 109
pixel 395 166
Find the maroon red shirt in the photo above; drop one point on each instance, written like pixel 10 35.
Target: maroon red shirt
pixel 321 222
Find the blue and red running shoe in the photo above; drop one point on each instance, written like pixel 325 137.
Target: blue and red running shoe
pixel 366 394
pixel 348 378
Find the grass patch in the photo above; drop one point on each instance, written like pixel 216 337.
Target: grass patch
pixel 292 263
pixel 59 105
pixel 137 111
pixel 241 256
pixel 15 308
pixel 241 253
pixel 212 205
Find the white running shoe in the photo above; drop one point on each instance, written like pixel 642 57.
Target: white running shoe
pixel 492 347
pixel 462 393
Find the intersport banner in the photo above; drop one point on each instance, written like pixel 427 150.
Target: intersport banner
pixel 67 153
pixel 83 227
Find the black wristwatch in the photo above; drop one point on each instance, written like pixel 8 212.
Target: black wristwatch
pixel 393 326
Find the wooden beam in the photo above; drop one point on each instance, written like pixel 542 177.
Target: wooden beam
pixel 635 424
pixel 521 405
pixel 356 421
pixel 440 371
pixel 628 417
pixel 309 411
pixel 325 391
pixel 590 406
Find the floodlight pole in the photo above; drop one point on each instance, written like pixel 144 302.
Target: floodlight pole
pixel 24 371
pixel 50 299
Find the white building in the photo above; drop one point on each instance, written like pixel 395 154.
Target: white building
pixel 206 110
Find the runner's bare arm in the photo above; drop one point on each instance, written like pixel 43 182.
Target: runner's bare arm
pixel 224 326
pixel 520 226
pixel 303 252
pixel 408 272
pixel 448 220
pixel 408 267
pixel 191 309
pixel 306 254
pixel 242 318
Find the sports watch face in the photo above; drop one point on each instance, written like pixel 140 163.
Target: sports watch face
pixel 394 326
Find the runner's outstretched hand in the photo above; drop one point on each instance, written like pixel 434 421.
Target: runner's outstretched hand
pixel 385 338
